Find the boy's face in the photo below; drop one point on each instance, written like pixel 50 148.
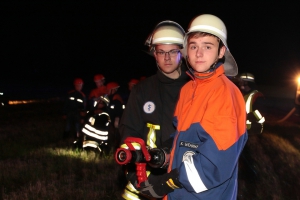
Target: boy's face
pixel 168 62
pixel 203 52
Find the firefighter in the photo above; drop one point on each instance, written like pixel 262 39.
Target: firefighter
pixel 116 107
pixel 74 109
pixel 116 104
pixel 100 90
pixel 150 107
pixel 142 78
pixel 254 103
pixel 97 126
pixel 132 83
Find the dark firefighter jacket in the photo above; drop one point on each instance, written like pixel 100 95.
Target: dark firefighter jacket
pixel 116 104
pixel 75 103
pixel 151 104
pixel 148 115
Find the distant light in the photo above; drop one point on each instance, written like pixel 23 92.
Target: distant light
pixel 297 99
pixel 1 93
pixel 22 102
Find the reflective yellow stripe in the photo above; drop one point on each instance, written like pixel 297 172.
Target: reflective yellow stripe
pixel 262 120
pixel 248 123
pixel 249 101
pixel 136 146
pixel 171 184
pixel 131 188
pixel 151 137
pixel 130 193
pixel 257 114
pixel 130 196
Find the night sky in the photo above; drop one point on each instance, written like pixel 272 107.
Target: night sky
pixel 46 44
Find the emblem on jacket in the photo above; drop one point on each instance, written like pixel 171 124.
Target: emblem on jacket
pixel 187 156
pixel 149 107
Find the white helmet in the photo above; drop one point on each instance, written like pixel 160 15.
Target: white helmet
pixel 208 23
pixel 246 76
pixel 166 32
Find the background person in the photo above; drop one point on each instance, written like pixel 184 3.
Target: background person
pixel 74 109
pixel 115 108
pixel 97 92
pixel 132 83
pixel 254 103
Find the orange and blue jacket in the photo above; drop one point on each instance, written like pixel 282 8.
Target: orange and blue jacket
pixel 211 132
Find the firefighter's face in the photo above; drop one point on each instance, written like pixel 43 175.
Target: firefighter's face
pixel 100 104
pixel 244 85
pixel 130 86
pixel 100 83
pixel 168 57
pixel 78 87
pixel 203 52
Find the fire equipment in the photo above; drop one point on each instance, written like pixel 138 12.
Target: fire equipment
pixel 154 157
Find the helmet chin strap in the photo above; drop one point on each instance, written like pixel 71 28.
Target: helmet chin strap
pixel 178 69
pixel 211 69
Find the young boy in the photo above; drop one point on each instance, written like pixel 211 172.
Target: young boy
pixel 211 121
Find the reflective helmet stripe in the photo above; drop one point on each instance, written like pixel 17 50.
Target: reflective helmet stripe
pixel 162 39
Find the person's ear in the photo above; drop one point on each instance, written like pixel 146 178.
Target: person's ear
pixel 181 55
pixel 222 52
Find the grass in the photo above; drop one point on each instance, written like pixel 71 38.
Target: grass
pixel 36 163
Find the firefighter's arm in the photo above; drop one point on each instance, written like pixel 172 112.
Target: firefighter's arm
pixel 116 122
pixel 255 126
pixel 131 123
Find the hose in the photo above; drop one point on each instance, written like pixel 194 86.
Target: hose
pixel 287 116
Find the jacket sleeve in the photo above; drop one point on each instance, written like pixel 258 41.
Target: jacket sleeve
pixel 131 124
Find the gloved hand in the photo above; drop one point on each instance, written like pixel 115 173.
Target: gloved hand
pixel 159 186
pixel 132 178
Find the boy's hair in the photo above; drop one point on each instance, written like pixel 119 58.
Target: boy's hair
pixel 203 34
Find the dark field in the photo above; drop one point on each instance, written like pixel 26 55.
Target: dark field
pixel 36 163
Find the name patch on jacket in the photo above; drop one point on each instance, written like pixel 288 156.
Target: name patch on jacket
pixel 188 144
